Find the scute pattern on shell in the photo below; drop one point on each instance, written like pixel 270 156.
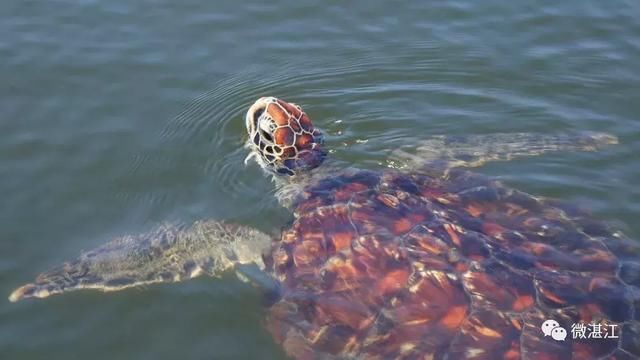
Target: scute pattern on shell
pixel 404 266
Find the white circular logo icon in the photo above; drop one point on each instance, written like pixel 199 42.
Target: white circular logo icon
pixel 552 328
pixel 549 325
pixel 559 334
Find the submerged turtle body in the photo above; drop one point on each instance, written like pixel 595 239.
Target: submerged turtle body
pixel 390 265
pixel 431 263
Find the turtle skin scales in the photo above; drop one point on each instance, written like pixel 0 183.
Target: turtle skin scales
pixel 391 265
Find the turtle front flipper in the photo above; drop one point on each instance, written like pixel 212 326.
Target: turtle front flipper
pixel 167 254
pixel 476 150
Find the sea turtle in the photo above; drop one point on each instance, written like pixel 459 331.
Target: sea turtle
pixel 428 262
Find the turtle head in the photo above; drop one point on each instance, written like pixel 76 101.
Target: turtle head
pixel 281 137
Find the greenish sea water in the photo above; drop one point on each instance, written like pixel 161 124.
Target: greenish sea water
pixel 118 115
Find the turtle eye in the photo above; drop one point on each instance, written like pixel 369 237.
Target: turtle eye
pixel 256 116
pixel 252 120
pixel 266 135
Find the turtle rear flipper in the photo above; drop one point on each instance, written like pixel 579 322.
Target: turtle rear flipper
pixel 257 277
pixel 167 254
pixel 445 152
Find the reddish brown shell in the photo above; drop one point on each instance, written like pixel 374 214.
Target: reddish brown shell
pixel 404 266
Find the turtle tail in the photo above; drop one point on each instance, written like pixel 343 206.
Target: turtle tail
pixel 169 253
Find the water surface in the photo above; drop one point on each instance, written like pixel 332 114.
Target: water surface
pixel 118 115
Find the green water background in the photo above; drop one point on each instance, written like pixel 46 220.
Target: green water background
pixel 118 115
